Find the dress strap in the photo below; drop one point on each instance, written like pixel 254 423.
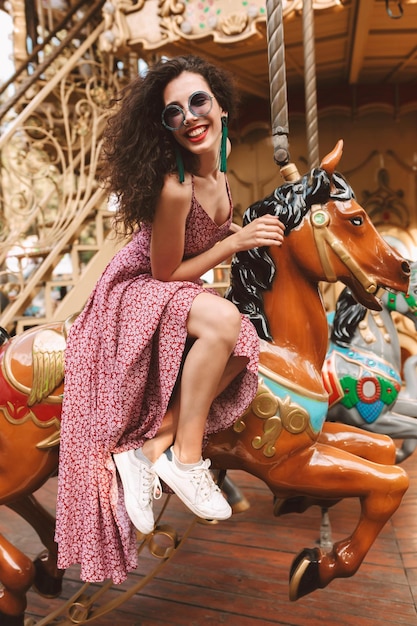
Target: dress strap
pixel 193 198
pixel 229 193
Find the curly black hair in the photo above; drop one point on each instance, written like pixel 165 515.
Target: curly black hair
pixel 253 271
pixel 138 152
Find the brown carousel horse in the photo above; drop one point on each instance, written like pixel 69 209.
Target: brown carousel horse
pixel 282 438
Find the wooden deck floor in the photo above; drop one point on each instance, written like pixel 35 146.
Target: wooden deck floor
pixel 236 572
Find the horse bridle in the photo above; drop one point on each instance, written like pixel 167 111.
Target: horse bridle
pixel 320 219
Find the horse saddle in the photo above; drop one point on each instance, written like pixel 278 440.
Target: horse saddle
pixel 357 380
pixel 33 362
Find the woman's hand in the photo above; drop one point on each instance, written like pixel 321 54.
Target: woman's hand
pixel 263 231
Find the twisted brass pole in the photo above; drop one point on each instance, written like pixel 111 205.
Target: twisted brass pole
pixel 278 89
pixel 310 84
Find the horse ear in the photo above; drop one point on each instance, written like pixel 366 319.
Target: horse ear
pixel 331 161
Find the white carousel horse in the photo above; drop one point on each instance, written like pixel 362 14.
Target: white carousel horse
pixel 362 370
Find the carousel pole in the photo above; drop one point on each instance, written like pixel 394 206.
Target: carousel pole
pixel 310 84
pixel 326 541
pixel 280 126
pixel 278 89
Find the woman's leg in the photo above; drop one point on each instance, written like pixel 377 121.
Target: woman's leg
pixel 214 324
pixel 165 436
pixel 208 368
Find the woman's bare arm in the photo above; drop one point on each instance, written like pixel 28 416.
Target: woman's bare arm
pixel 168 237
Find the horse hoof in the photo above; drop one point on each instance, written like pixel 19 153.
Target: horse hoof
pixel 240 506
pixel 304 573
pixel 233 494
pixel 46 585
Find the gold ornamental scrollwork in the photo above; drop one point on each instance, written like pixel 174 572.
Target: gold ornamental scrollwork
pixel 265 403
pixel 234 24
pixel 116 32
pixel 272 430
pixel 222 21
pixel 295 419
pixel 171 7
pixel 20 415
pixel 225 21
pixel 47 364
pixel 277 414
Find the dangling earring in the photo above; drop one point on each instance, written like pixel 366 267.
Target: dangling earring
pixel 223 145
pixel 180 163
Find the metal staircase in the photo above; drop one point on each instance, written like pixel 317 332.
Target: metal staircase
pixel 55 221
pixel 55 230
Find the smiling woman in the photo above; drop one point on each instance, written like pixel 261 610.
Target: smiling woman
pixel 147 388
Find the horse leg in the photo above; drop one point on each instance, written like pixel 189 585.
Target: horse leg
pixel 376 447
pixel 371 446
pixel 399 425
pixel 16 576
pixel 405 406
pixel 407 448
pixel 333 473
pixel 48 578
pixel 396 426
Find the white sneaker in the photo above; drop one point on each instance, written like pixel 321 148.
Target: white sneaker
pixel 140 486
pixel 195 487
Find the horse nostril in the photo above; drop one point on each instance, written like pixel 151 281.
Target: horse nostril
pixel 406 268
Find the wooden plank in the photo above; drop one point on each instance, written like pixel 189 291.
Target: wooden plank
pixel 236 572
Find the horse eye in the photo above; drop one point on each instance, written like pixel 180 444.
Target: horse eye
pixel 357 221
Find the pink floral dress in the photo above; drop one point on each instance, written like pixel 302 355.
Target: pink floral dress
pixel 122 360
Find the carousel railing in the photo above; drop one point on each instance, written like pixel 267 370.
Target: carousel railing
pixel 51 41
pixel 51 203
pixel 56 225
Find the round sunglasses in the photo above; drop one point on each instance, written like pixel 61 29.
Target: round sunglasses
pixel 200 103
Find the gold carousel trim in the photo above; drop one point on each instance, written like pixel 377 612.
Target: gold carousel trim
pixel 48 368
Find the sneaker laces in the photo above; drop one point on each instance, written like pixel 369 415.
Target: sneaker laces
pixel 203 481
pixel 150 486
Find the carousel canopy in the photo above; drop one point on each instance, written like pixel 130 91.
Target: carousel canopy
pixel 368 44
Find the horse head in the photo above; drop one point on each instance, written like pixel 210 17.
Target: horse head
pixel 350 248
pixel 329 238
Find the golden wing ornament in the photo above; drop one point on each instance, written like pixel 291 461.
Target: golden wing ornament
pixel 48 364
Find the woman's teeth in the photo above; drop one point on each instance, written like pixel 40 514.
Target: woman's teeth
pixel 196 132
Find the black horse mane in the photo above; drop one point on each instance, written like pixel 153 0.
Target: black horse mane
pixel 348 313
pixel 253 271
